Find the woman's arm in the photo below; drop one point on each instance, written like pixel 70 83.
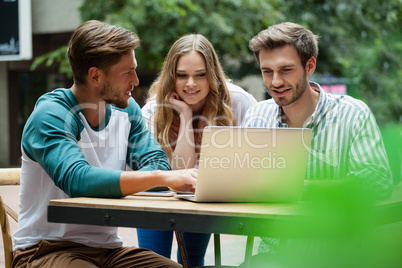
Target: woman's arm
pixel 184 156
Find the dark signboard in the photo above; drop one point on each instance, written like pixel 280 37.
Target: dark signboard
pixel 15 30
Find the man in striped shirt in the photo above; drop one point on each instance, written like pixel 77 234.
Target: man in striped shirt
pixel 346 144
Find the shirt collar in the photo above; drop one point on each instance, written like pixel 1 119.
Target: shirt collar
pixel 319 109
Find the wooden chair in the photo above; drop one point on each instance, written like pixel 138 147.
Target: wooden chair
pixel 8 176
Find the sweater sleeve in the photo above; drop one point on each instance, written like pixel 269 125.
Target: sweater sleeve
pixel 144 152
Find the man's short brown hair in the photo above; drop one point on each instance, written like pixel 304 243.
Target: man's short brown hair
pixel 286 33
pixel 97 44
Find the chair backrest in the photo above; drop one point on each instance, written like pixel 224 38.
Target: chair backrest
pixel 8 176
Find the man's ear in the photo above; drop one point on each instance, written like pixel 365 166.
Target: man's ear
pixel 310 66
pixel 94 76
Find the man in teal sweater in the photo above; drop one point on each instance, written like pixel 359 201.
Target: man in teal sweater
pixel 78 142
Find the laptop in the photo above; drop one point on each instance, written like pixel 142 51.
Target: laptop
pixel 251 165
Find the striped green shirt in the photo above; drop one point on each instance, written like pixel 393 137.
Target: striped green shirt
pixel 346 140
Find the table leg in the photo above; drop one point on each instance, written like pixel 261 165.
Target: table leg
pixel 182 249
pixel 249 250
pixel 217 249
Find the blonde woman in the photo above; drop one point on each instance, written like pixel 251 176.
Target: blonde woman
pixel 190 93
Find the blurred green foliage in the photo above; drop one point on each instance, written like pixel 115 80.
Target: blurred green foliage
pixel 361 40
pixel 228 24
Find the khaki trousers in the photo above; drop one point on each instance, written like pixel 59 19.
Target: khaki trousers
pixel 68 254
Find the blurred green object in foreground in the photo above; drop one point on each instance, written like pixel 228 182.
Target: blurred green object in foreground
pixel 340 227
pixel 392 136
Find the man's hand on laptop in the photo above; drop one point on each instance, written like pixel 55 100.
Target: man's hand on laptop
pixel 183 180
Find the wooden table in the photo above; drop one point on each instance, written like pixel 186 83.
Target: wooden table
pixel 168 213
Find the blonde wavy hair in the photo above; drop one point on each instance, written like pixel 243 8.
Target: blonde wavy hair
pixel 218 103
